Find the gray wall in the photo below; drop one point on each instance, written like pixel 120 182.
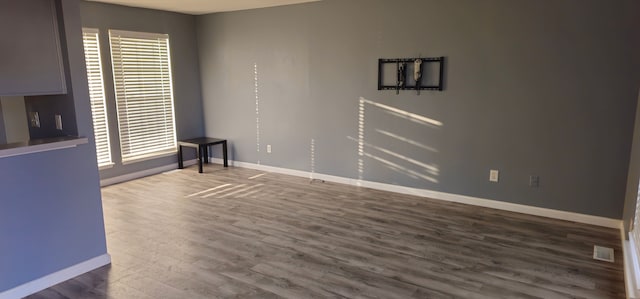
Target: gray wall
pixel 3 134
pixel 633 177
pixel 543 88
pixel 184 62
pixel 51 215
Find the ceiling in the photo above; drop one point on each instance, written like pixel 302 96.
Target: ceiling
pixel 199 7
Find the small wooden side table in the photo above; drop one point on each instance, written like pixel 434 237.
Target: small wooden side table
pixel 202 144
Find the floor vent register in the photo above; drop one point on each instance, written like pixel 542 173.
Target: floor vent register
pixel 603 253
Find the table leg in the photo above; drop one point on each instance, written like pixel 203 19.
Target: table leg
pixel 199 154
pixel 206 153
pixel 180 161
pixel 224 153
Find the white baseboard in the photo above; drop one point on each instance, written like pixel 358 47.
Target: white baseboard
pixel 52 279
pixel 475 201
pixel 144 173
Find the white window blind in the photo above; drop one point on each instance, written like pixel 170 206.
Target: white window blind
pixel 144 93
pixel 96 94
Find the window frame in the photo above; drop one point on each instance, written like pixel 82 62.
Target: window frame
pixel 94 64
pixel 129 154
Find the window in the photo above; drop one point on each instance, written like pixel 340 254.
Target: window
pixel 96 95
pixel 632 254
pixel 144 94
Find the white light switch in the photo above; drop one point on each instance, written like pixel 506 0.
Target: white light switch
pixel 493 175
pixel 269 148
pixel 58 121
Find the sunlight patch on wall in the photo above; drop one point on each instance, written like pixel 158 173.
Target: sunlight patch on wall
pixel 312 159
pixel 361 140
pixel 407 140
pixel 255 85
pixel 405 114
pixel 402 169
pixel 392 159
pixel 431 169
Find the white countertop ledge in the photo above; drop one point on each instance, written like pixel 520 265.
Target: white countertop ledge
pixel 40 145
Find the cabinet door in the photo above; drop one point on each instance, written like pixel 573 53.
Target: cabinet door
pixel 30 56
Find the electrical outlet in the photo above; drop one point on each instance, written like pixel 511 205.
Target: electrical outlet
pixel 269 148
pixel 493 175
pixel 34 118
pixel 534 181
pixel 59 122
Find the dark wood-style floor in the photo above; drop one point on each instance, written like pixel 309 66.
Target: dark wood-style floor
pixel 240 233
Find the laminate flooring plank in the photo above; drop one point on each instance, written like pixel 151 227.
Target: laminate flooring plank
pixel 347 242
pixel 242 233
pixel 284 271
pixel 280 286
pixel 352 261
pixel 49 293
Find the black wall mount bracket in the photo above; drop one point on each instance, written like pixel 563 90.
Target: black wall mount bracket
pixel 422 73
